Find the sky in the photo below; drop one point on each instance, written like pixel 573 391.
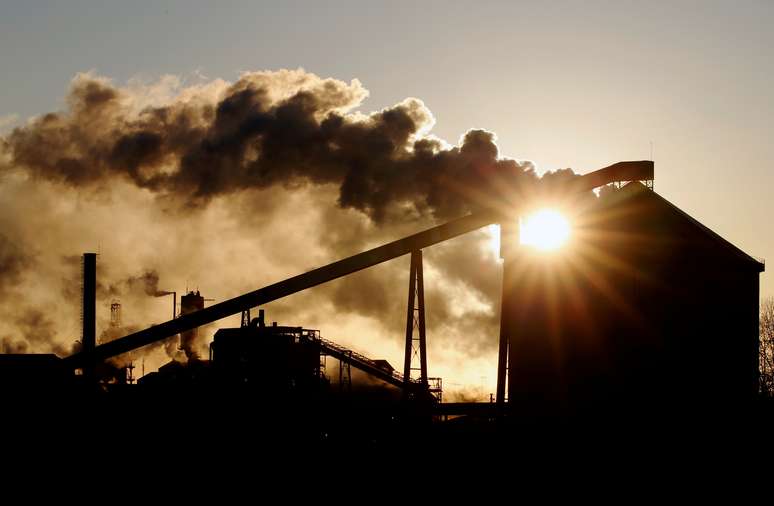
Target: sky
pixel 563 84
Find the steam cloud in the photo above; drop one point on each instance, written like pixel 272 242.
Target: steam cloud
pixel 268 128
pixel 238 185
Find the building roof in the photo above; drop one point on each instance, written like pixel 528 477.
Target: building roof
pixel 638 190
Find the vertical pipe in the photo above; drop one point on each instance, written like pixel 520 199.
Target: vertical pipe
pixel 88 338
pixel 174 305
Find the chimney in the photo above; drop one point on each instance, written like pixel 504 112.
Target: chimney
pixel 88 338
pixel 261 321
pixel 190 302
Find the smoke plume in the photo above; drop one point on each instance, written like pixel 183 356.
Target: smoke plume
pixel 284 128
pixel 232 186
pixel 146 282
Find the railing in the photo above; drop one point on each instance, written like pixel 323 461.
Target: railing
pixel 362 362
pixel 358 360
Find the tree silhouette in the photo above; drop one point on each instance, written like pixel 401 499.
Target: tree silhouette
pixel 766 353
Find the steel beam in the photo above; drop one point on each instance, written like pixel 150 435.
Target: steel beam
pixel 415 321
pixel 642 170
pixel 288 286
pixel 410 317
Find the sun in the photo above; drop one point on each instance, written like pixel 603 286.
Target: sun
pixel 545 230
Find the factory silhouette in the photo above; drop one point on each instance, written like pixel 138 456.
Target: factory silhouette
pixel 651 315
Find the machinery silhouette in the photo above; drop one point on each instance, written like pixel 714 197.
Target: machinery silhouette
pixel 532 379
pixel 413 244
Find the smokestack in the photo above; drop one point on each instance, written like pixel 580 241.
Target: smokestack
pixel 88 338
pixel 190 302
pixel 261 321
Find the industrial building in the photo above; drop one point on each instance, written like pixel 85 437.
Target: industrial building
pixel 646 310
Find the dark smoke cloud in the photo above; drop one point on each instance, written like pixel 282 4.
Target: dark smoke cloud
pixel 13 263
pixel 10 345
pixel 36 333
pixel 34 330
pixel 235 186
pixel 146 282
pixel 248 138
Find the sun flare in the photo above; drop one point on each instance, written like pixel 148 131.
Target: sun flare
pixel 546 230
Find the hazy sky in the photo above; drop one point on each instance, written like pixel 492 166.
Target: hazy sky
pixel 566 84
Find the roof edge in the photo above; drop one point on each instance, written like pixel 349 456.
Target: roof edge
pixel 636 186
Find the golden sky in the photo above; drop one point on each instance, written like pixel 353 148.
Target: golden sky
pixel 570 84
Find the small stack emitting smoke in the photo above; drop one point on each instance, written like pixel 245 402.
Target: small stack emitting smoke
pixel 190 302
